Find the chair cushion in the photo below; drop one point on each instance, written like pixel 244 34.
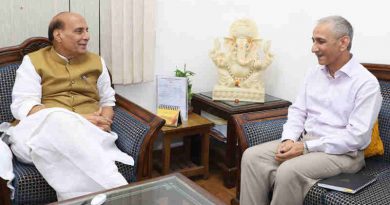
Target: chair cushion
pixel 384 118
pixel 376 145
pixel 374 166
pixel 315 195
pixel 131 133
pixel 376 193
pixel 7 80
pixel 30 186
pixel 264 131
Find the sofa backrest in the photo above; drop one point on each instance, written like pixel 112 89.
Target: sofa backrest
pixel 7 80
pixel 10 59
pixel 384 118
pixel 382 72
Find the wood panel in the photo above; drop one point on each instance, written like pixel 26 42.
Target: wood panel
pixel 22 19
pixel 90 10
pixel 381 71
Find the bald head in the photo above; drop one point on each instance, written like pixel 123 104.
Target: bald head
pixel 68 32
pixel 58 22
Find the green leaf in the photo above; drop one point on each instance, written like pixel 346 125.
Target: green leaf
pixel 185 73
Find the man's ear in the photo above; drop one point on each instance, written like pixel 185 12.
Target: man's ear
pixel 345 40
pixel 57 35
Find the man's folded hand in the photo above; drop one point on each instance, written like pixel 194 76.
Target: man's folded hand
pixel 289 149
pixel 35 109
pixel 102 122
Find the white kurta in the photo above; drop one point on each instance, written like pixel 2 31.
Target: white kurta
pixel 72 154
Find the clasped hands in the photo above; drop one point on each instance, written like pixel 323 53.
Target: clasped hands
pixel 99 120
pixel 288 149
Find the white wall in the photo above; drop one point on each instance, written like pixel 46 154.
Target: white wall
pixel 22 19
pixel 186 29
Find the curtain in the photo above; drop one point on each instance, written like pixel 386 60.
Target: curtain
pixel 128 39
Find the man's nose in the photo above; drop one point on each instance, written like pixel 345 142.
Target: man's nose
pixel 314 48
pixel 86 36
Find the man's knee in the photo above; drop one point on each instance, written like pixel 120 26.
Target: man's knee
pixel 286 172
pixel 249 156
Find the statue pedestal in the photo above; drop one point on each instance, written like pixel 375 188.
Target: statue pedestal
pixel 242 94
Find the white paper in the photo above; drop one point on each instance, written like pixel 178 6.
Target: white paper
pixel 219 124
pixel 172 91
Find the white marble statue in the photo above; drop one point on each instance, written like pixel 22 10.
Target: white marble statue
pixel 240 67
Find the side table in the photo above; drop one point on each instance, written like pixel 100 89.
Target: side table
pixel 195 126
pixel 225 110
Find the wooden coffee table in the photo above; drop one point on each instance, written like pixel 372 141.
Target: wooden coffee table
pixel 166 190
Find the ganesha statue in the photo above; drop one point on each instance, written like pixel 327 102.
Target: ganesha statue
pixel 240 66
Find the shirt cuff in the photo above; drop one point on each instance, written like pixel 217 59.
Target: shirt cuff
pixel 26 108
pixel 107 104
pixel 284 139
pixel 314 145
pixel 289 135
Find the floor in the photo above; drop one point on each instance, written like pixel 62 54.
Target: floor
pixel 214 185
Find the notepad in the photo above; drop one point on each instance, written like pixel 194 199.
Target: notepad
pixel 349 183
pixel 171 115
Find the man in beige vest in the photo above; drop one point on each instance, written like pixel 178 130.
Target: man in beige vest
pixel 328 126
pixel 64 101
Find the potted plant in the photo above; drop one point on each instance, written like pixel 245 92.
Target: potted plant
pixel 186 73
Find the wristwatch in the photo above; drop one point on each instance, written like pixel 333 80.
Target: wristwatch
pixel 305 150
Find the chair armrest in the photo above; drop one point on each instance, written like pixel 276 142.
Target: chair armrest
pixel 255 128
pixel 137 128
pixel 258 127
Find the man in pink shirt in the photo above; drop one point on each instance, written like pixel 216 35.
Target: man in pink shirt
pixel 328 126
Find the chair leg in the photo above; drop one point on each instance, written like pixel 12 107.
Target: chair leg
pixel 5 197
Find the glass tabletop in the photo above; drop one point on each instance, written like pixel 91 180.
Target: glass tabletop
pixel 268 98
pixel 166 191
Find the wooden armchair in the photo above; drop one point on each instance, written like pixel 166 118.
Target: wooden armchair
pixel 259 127
pixel 136 127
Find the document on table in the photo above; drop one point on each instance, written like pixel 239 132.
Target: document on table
pixel 172 91
pixel 220 124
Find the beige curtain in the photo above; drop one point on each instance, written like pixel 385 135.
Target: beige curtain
pixel 128 39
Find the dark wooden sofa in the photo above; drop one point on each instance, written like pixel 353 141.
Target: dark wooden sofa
pixel 259 127
pixel 136 127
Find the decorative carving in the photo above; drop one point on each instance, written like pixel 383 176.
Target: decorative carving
pixel 240 69
pixel 34 47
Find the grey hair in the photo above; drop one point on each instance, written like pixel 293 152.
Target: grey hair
pixel 341 27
